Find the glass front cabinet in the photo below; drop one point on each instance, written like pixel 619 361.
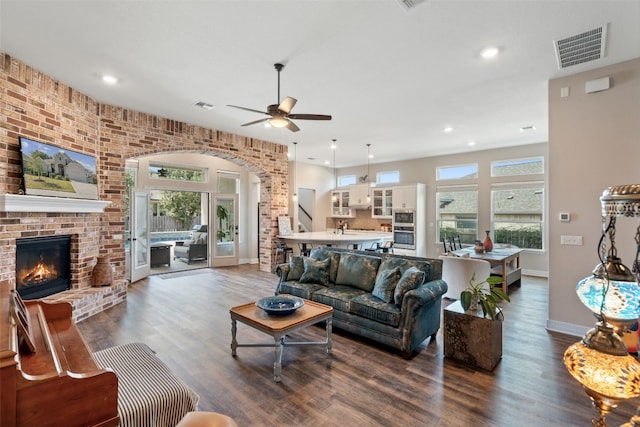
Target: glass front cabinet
pixel 382 203
pixel 340 203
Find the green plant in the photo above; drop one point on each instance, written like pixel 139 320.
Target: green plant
pixel 487 299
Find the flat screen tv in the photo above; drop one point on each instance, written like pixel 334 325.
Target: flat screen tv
pixel 52 171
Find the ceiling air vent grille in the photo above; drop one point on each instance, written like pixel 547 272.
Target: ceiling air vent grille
pixel 580 48
pixel 204 105
pixel 410 4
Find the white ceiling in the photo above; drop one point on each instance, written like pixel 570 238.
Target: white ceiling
pixel 390 77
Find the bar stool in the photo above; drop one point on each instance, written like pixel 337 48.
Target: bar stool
pixel 375 246
pixel 281 248
pixel 305 248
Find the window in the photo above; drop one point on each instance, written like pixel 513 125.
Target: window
pixel 345 180
pixel 457 172
pixel 534 165
pixel 177 173
pixel 457 213
pixel 388 177
pixel 228 182
pixel 517 214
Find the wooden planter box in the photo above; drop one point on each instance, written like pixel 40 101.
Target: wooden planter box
pixel 472 339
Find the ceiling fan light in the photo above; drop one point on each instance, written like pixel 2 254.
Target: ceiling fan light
pixel 278 122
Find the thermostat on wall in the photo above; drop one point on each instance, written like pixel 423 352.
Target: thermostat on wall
pixel 565 217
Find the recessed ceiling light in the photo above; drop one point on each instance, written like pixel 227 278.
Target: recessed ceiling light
pixel 327 162
pixel 447 129
pixel 471 143
pixel 111 80
pixel 489 52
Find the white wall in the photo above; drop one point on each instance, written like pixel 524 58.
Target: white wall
pixel 594 143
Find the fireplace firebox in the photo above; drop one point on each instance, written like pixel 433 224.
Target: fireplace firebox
pixel 43 266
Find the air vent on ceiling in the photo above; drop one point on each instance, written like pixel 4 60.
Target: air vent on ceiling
pixel 204 105
pixel 580 48
pixel 410 4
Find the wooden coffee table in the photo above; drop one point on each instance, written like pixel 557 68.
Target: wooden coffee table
pixel 279 326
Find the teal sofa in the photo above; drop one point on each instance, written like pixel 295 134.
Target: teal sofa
pixel 392 299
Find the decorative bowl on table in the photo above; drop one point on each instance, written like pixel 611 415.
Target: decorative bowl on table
pixel 280 304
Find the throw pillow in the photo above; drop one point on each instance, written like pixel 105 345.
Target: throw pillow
pixel 316 271
pixel 358 271
pixel 385 284
pixel 296 268
pixel 411 279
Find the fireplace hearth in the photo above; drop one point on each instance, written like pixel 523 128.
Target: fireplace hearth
pixel 43 266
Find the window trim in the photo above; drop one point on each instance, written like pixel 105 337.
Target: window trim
pixel 522 185
pixel 395 173
pixel 521 160
pixel 438 168
pixel 455 188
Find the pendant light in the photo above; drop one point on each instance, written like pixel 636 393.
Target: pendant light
pixel 369 186
pixel 295 171
pixel 334 146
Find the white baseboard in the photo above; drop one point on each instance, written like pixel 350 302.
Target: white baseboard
pixel 535 273
pixel 248 261
pixel 567 328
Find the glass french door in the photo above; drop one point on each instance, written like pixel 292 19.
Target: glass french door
pixel 139 242
pixel 225 230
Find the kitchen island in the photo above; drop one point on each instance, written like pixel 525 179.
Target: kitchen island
pixel 364 239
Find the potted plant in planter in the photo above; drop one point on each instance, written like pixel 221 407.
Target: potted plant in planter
pixel 477 294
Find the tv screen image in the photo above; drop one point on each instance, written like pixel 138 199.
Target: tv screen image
pixel 48 170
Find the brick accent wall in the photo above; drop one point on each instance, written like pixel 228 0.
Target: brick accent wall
pixel 37 106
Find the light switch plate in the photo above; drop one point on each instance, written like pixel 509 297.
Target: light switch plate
pixel 571 240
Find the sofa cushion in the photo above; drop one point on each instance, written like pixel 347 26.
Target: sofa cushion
pixel 316 271
pixel 411 279
pixel 337 296
pixel 322 252
pixel 373 308
pixel 385 284
pixel 358 270
pixel 296 267
pixel 404 264
pixel 302 290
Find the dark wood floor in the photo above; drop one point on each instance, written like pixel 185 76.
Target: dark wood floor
pixel 184 317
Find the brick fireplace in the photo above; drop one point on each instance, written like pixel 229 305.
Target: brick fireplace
pixel 24 217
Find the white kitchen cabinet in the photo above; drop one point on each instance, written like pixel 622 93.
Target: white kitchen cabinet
pixel 382 203
pixel 405 197
pixel 360 195
pixel 340 204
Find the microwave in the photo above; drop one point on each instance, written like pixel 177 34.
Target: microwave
pixel 404 216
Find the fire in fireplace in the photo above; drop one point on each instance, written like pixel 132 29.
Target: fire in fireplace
pixel 43 266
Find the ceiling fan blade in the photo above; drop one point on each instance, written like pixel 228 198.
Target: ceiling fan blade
pixel 248 109
pixel 287 105
pixel 292 127
pixel 309 116
pixel 255 122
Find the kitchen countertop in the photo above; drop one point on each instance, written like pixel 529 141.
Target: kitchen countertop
pixel 331 238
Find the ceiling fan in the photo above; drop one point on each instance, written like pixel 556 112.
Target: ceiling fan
pixel 281 113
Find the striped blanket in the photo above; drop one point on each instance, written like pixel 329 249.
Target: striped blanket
pixel 149 394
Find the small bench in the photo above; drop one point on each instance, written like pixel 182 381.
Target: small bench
pixel 149 393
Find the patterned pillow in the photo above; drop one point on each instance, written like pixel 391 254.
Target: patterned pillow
pixel 386 283
pixel 296 268
pixel 316 271
pixel 358 270
pixel 411 279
